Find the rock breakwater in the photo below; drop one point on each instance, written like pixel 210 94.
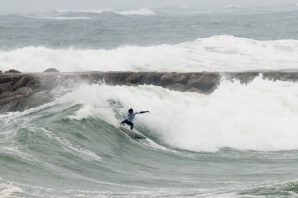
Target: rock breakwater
pixel 20 91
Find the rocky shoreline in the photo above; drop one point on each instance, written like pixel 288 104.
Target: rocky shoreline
pixel 21 91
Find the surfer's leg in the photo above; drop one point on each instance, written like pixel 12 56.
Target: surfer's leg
pixel 128 123
pixel 123 121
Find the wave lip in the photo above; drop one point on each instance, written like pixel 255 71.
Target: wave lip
pixel 58 18
pixel 96 11
pixel 233 6
pixel 142 11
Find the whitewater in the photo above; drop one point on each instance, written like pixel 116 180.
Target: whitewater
pixel 238 141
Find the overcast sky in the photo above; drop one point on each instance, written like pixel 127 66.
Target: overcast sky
pixel 10 6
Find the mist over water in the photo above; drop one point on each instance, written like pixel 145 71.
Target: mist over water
pixel 239 141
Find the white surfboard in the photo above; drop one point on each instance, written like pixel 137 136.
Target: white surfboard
pixel 131 133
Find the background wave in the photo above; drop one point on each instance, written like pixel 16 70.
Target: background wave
pixel 57 17
pixel 218 53
pixel 141 11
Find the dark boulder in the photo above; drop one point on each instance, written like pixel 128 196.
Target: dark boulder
pixel 114 77
pixel 9 107
pixel 134 78
pixel 9 99
pixel 272 76
pixel 22 82
pixel 167 79
pixel 151 78
pixel 24 91
pixel 51 70
pixel 289 77
pixel 6 79
pixel 35 100
pixel 182 78
pixel 192 89
pixel 5 87
pixel 244 77
pixel 178 87
pixel 12 71
pixel 204 82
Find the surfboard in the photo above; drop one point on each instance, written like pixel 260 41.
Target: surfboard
pixel 131 133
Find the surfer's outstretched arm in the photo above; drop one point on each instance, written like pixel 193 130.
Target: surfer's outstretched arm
pixel 144 112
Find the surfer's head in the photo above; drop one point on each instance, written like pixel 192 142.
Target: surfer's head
pixel 130 110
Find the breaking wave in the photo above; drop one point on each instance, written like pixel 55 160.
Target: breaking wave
pixel 141 11
pixel 217 53
pixel 262 115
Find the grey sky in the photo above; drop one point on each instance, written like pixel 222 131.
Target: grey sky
pixel 10 6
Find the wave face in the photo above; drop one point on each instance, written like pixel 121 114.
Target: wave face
pixel 218 53
pixel 74 145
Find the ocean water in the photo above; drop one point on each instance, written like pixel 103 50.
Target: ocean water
pixel 239 141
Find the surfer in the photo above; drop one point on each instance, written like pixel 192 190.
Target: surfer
pixel 130 116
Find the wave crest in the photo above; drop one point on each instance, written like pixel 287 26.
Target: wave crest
pixel 142 11
pixel 233 6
